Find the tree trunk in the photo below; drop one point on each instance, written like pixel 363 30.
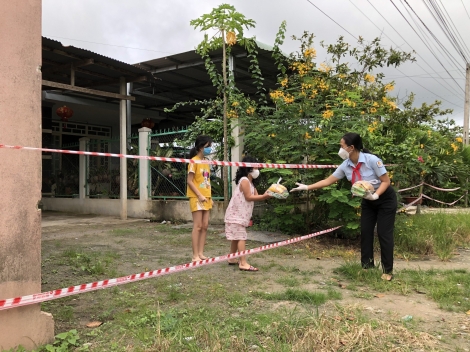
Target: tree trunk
pixel 224 76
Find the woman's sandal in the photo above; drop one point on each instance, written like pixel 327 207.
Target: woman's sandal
pixel 251 268
pixel 387 277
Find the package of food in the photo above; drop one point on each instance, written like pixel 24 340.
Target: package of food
pixel 360 188
pixel 277 190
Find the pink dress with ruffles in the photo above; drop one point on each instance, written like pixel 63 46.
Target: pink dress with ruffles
pixel 238 214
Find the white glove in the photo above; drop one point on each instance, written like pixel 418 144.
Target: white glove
pixel 301 187
pixel 371 196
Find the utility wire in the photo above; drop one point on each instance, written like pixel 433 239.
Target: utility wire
pixel 422 39
pixel 465 9
pixel 462 42
pixel 441 21
pixel 402 38
pixel 333 20
pixel 434 94
pixel 449 55
pixel 431 42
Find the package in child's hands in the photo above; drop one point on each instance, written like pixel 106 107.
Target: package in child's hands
pixel 360 188
pixel 277 190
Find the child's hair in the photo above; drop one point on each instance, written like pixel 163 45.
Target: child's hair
pixel 200 143
pixel 244 171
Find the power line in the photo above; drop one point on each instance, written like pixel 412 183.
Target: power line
pixel 465 9
pixel 425 35
pixel 434 94
pixel 402 38
pixel 422 39
pixel 332 20
pixel 118 46
pixel 441 21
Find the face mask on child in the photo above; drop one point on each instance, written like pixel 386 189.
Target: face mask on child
pixel 207 150
pixel 254 174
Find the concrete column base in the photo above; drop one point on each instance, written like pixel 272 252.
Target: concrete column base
pixel 26 326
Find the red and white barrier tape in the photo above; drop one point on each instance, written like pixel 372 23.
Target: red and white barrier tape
pixel 427 184
pixel 435 200
pixel 97 285
pixel 442 189
pixel 410 204
pixel 176 160
pixel 407 189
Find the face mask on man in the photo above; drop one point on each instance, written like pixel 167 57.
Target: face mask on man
pixel 254 174
pixel 343 153
pixel 207 150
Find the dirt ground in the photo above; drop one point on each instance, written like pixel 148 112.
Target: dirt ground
pixel 139 245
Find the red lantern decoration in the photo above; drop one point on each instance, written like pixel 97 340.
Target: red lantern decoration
pixel 65 113
pixel 147 122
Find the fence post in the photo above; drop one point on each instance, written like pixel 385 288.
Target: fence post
pixel 144 164
pixel 82 169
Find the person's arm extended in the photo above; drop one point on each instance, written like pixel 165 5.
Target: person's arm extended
pixel 317 185
pixel 245 188
pixel 194 188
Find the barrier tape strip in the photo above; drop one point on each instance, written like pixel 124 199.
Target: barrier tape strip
pixel 175 160
pixel 97 285
pixel 427 184
pixel 410 204
pixel 425 196
pixel 442 189
pixel 407 189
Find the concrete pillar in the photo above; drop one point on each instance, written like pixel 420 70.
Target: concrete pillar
pixel 20 175
pixel 144 164
pixel 237 149
pixel 82 169
pixel 123 149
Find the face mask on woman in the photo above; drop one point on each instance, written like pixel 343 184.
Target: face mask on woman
pixel 207 150
pixel 254 174
pixel 343 153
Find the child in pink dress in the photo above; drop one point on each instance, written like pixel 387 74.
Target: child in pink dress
pixel 240 210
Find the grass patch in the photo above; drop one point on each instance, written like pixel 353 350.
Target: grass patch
pixel 301 296
pixel 449 288
pixel 426 234
pixel 95 263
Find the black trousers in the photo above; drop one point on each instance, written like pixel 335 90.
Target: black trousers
pixel 381 212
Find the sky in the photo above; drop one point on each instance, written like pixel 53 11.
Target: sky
pixel 141 30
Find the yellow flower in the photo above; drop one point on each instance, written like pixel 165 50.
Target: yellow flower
pixel 369 78
pixel 373 110
pixel 389 87
pixel 363 112
pixel 235 103
pixel 272 135
pixel 429 133
pixel 284 82
pixel 307 136
pixel 250 110
pixel 454 147
pixel 324 67
pixel 421 146
pixel 232 114
pixel 288 99
pixel 317 129
pixel 371 129
pixel 231 38
pixel 310 52
pixel 327 114
pixel 459 140
pixel 375 104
